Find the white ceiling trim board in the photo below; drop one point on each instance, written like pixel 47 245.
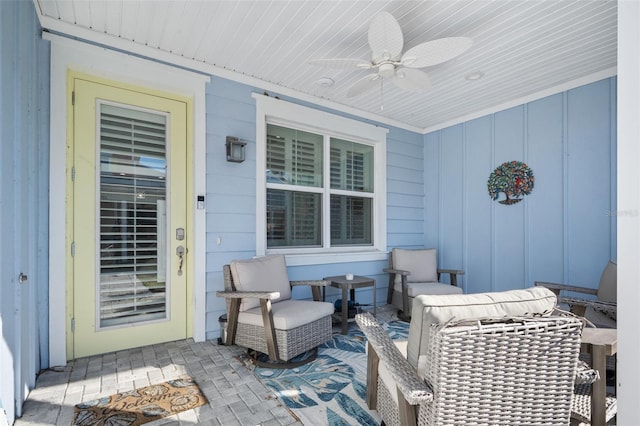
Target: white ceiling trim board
pixel 592 78
pixel 109 41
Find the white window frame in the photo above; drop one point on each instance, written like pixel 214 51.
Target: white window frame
pixel 287 114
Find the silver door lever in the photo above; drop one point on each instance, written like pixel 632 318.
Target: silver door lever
pixel 180 251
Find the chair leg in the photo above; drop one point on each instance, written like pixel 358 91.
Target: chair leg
pixel 405 315
pixel 269 329
pixel 372 377
pixel 406 411
pixel 392 281
pixel 232 321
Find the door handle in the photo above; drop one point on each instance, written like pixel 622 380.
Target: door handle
pixel 180 252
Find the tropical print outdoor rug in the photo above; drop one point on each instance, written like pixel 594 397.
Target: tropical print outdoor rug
pixel 140 406
pixel 330 390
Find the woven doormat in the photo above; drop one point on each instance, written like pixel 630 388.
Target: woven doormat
pixel 140 405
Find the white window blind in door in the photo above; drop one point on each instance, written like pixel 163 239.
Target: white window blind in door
pixel 133 172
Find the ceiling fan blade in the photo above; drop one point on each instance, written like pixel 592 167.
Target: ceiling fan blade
pixel 412 79
pixel 362 85
pixel 341 63
pixel 435 52
pixel 385 37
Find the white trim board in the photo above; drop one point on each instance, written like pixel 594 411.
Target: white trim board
pixel 167 57
pixel 111 42
pixel 82 57
pixel 592 78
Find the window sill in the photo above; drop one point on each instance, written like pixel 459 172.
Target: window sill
pixel 320 258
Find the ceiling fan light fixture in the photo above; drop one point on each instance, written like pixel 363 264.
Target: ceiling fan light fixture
pixel 387 70
pixel 325 82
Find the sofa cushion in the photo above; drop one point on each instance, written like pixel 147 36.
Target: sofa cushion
pixel 268 273
pixel 437 309
pixel 289 314
pixel 416 289
pixel 608 287
pixel 422 264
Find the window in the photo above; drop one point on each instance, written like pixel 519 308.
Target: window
pixel 321 185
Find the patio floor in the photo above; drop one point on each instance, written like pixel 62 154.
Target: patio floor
pixel 236 396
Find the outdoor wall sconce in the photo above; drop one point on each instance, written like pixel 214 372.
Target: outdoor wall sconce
pixel 235 149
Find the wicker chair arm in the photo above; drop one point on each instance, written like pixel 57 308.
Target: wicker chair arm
pixel 313 283
pixel 248 294
pixel 596 304
pixel 585 374
pixel 557 288
pixel 414 389
pixel 396 271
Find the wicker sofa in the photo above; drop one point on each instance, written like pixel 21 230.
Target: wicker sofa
pixel 263 318
pixel 492 358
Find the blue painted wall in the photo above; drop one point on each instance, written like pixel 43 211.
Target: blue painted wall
pixel 231 191
pixel 565 230
pixel 24 175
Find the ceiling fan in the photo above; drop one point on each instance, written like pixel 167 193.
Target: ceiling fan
pixel 388 61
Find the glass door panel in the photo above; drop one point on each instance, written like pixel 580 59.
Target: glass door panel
pixel 133 172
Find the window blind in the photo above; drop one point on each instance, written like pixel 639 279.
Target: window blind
pixel 132 204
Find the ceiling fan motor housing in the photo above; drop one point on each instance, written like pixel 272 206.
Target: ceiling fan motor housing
pixel 387 70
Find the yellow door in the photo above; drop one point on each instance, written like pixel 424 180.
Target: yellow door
pixel 129 218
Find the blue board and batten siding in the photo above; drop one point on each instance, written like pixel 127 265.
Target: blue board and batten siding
pixel 565 230
pixel 24 167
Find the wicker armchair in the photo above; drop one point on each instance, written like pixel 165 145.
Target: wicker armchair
pixel 518 367
pixel 263 318
pixel 415 272
pixel 602 308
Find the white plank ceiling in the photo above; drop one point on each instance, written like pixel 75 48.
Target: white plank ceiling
pixel 523 48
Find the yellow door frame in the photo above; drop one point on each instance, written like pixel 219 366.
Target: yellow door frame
pixel 72 76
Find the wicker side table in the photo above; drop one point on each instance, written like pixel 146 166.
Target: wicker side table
pixel 348 289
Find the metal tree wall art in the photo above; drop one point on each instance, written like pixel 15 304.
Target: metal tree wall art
pixel 514 178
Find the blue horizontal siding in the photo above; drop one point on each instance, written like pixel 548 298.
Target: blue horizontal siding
pixel 231 193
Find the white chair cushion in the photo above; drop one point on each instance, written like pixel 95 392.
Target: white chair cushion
pixel 289 314
pixel 416 289
pixel 422 264
pixel 438 309
pixel 608 287
pixel 268 273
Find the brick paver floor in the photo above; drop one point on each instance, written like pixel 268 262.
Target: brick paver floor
pixel 236 396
